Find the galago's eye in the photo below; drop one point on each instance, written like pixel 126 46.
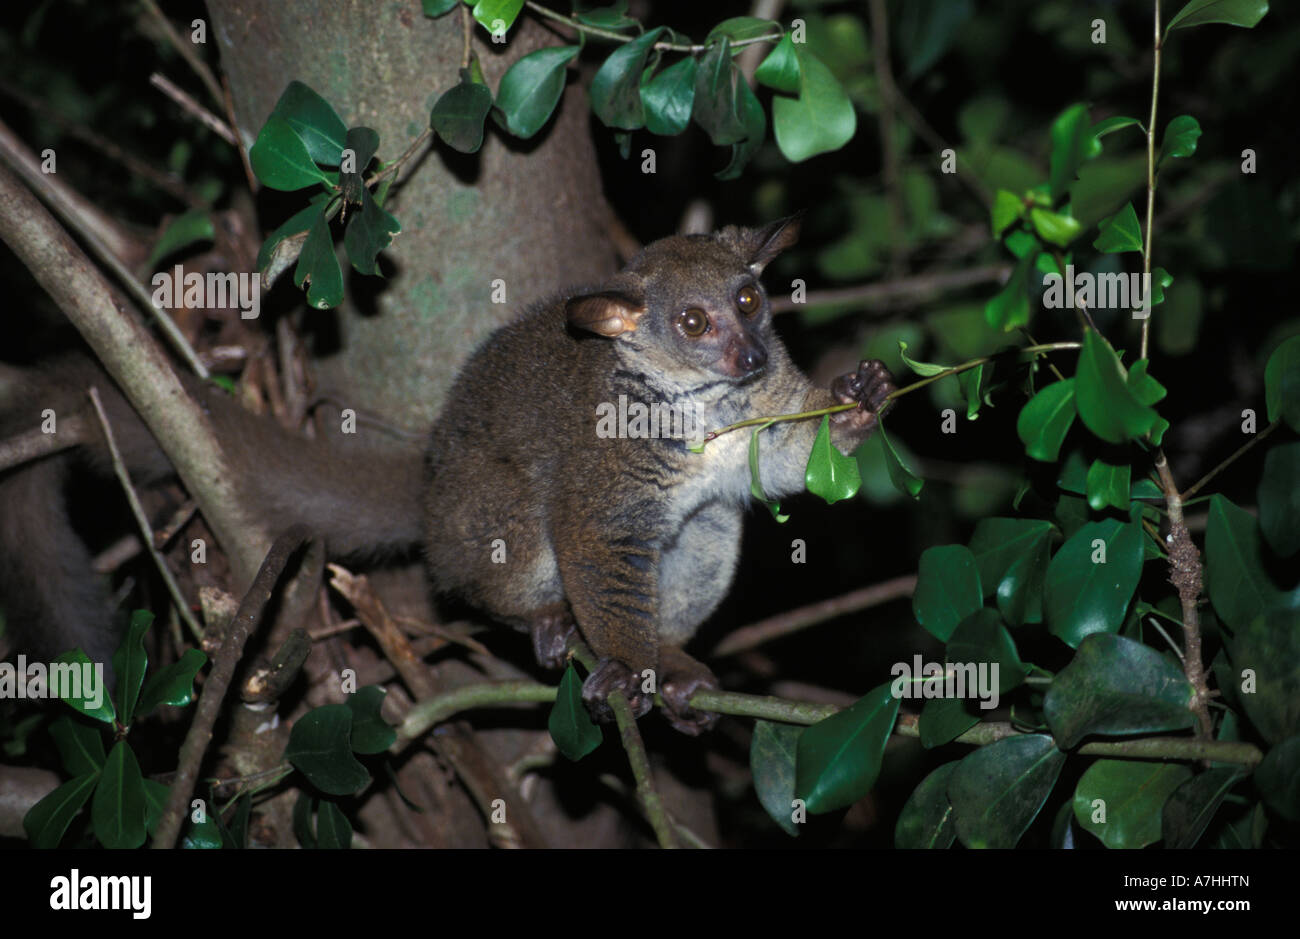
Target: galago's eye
pixel 747 300
pixel 693 322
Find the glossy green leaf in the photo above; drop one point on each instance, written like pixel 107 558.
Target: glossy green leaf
pixel 947 589
pixel 830 474
pixel 572 729
pixel 303 827
pixel 1282 383
pixel 1092 578
pixel 1008 208
pixel 1134 793
pixel 94 702
pixel 1012 556
pixel 1121 232
pixel 718 106
pixel 531 88
pixel 982 639
pixel 926 820
pixel 1181 135
pixel 924 369
pixel 744 27
pixel 755 482
pixel 155 803
pixel 616 87
pixel 669 97
pixel 973 384
pixel 118 808
pixel 129 664
pixel 1278 779
pixel 370 732
pixel 369 232
pixel 172 685
pixel 943 720
pixel 613 16
pixel 281 159
pixel 1244 13
pixel 458 115
pixel 1279 499
pixel 1046 419
pixel 900 474
pixel 1191 808
pixel 997 791
pixel 1235 577
pixel 1021 242
pixel 838 759
pixel 319 266
pixel 314 121
pixel 771 764
pixel 1116 686
pixel 780 69
pixel 1107 404
pixel 1112 124
pixel 333 830
pixel 436 8
pixel 1053 227
pixel 497 16
pixel 184 230
pixel 821 119
pixel 299 223
pixel 1108 485
pixel 1072 144
pixel 755 123
pixel 203 836
pixel 47 820
pixel 1009 307
pixel 1269 647
pixel 81 747
pixel 320 747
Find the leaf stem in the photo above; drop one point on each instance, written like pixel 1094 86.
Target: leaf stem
pixel 1151 175
pixel 1240 452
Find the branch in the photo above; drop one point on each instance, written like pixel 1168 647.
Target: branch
pixel 918 286
pixel 33 444
pixel 186 50
pixel 1151 174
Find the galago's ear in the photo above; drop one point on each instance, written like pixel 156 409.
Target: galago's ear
pixel 759 246
pixel 611 311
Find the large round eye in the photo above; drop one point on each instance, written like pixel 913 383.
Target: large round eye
pixel 693 322
pixel 747 300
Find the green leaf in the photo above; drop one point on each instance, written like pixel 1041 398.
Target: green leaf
pixel 118 809
pixel 973 385
pixel 497 16
pixel 47 820
pixel 1021 242
pixel 313 121
pixel 1269 646
pixel 1278 779
pixel 1193 805
pixel 1282 384
pixel 616 87
pixel 669 97
pixel 924 369
pixel 531 88
pixel 612 17
pixel 820 120
pixel 1112 124
pixel 1245 13
pixel 1160 279
pixel 1053 227
pixel 436 8
pixel 755 122
pixel 1181 135
pixel 1120 232
pixel 1279 499
pixel 755 483
pixel 571 726
pixel 771 764
pixel 831 474
pixel 998 790
pixel 1008 208
pixel 1235 577
pixel 838 759
pixel 926 820
pixel 172 685
pixel 1134 794
pixel 926 29
pixel 718 105
pixel 1115 686
pixel 129 664
pixel 1012 555
pixel 458 115
pixel 81 748
pixel 298 223
pixel 1106 401
pixel 98 705
pixel 900 474
pixel 1009 307
pixel 369 232
pixel 370 732
pixel 1072 144
pixel 744 27
pixel 982 639
pixel 155 802
pixel 1089 585
pixel 319 266
pixel 943 720
pixel 281 160
pixel 780 69
pixel 184 230
pixel 947 589
pixel 1108 485
pixel 319 746
pixel 1046 419
pixel 303 829
pixel 333 830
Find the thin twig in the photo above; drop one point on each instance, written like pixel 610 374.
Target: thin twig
pixel 1151 174
pixel 187 50
pixel 196 110
pixel 34 444
pixel 916 287
pixel 647 795
pixel 548 13
pixel 1240 452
